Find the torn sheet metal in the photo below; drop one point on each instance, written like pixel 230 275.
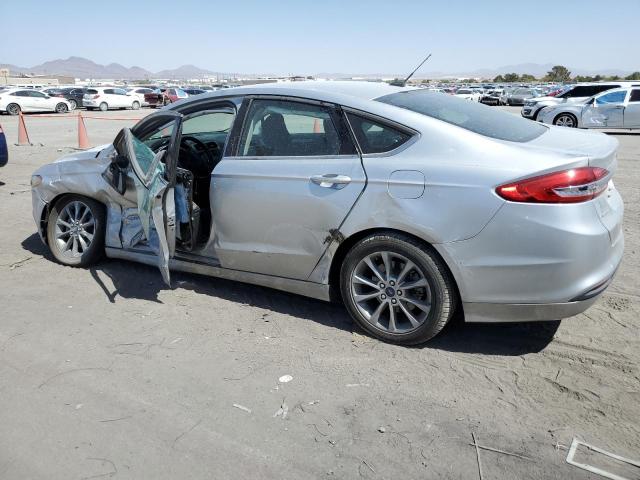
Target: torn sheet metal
pixel 131 233
pixel 590 468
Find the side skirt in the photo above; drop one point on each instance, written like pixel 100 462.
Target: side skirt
pixel 299 287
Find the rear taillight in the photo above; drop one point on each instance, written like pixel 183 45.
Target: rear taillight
pixel 569 186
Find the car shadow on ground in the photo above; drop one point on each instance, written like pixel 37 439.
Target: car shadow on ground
pixel 136 281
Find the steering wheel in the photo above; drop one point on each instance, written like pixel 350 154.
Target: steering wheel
pixel 195 149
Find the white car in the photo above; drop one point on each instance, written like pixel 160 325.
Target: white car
pixel 16 100
pixel 139 92
pixel 468 94
pixel 615 108
pixel 105 98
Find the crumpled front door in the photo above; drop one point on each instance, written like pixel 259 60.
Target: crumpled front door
pixel 154 177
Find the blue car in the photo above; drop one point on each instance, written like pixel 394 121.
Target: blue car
pixel 4 153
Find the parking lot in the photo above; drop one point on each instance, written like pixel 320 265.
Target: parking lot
pixel 108 373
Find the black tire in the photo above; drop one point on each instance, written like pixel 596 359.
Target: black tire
pixel 558 120
pixel 441 290
pixel 72 104
pixel 104 107
pixel 62 108
pixel 95 248
pixel 135 105
pixel 13 109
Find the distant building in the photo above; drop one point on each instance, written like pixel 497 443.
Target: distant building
pixel 22 80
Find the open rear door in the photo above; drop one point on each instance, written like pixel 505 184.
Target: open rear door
pixel 154 175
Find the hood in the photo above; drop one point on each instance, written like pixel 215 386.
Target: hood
pixel 85 161
pixel 83 154
pixel 556 100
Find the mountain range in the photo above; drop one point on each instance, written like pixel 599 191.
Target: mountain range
pixel 79 67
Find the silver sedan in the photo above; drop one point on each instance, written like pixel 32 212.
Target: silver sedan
pixel 405 204
pixel 617 108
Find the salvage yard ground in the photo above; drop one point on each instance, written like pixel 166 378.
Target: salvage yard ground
pixel 107 373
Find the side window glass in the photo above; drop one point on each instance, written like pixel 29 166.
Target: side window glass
pixel 214 122
pixel 635 96
pixel 375 137
pixel 291 129
pixel 613 97
pixel 109 91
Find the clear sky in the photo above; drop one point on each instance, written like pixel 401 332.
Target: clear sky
pixel 313 36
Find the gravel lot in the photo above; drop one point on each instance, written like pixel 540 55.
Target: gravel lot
pixel 107 373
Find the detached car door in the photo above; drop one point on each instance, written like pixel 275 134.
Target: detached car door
pixel 606 110
pixel 154 175
pixel 291 177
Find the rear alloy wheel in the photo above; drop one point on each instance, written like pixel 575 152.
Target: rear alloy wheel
pixel 62 108
pixel 566 120
pixel 13 109
pixel 135 105
pixel 75 231
pixel 73 104
pixel 396 289
pixel 104 107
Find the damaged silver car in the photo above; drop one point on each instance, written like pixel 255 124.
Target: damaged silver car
pixel 405 204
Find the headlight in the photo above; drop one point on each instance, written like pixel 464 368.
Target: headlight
pixel 35 180
pixel 529 104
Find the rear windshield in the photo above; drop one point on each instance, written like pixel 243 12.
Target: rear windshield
pixel 472 116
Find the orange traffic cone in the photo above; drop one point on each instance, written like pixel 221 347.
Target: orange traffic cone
pixel 83 140
pixel 316 126
pixel 23 136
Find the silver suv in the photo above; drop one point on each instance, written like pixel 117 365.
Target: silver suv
pixel 572 94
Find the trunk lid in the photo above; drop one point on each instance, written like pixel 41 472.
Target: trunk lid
pixel 599 149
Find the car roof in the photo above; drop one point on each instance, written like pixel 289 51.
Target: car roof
pixel 619 89
pixel 328 90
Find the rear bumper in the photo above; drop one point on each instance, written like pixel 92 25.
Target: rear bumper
pixel 538 262
pixel 532 312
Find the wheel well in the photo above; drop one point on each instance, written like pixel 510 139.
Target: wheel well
pixel 44 218
pixel 566 113
pixel 348 243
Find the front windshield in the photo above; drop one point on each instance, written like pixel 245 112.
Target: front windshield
pixel 472 116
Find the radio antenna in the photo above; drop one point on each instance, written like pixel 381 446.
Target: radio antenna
pixel 404 83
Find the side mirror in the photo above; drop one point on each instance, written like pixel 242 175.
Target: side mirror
pixel 121 162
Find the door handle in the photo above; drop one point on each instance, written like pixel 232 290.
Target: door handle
pixel 331 180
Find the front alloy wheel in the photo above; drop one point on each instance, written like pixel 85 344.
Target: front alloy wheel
pixel 565 120
pixel 75 231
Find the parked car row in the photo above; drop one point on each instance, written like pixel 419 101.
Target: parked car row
pixel 65 99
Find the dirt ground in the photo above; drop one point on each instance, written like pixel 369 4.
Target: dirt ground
pixel 107 373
